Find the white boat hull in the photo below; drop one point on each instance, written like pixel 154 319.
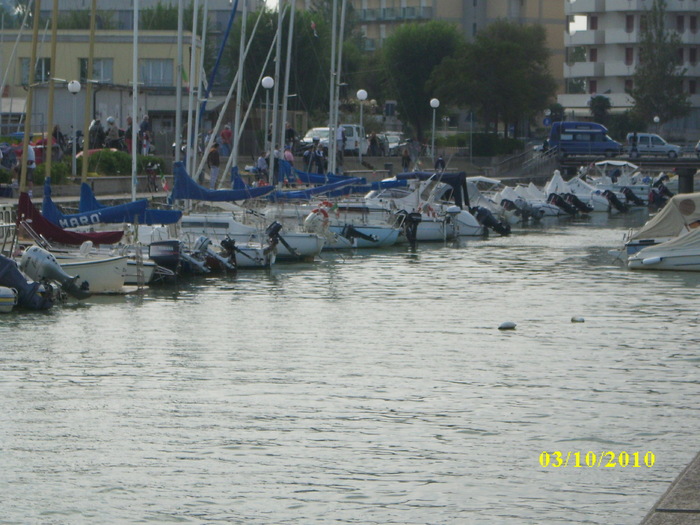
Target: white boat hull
pixel 385 236
pixel 689 262
pixel 103 276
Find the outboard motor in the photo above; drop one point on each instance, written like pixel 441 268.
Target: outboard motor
pixel 578 203
pixel 410 222
pixel 485 217
pixel 41 265
pixel 615 202
pixel 560 203
pixel 630 196
pixel 350 232
pixel 659 195
pixel 32 295
pixel 202 246
pixel 274 237
pixel 509 205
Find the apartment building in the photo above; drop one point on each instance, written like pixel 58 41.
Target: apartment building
pixel 602 49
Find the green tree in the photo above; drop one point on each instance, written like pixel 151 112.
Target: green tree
pixel 410 55
pixel 658 78
pixel 599 107
pixel 504 74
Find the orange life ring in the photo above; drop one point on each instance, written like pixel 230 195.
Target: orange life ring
pixel 326 204
pixel 322 211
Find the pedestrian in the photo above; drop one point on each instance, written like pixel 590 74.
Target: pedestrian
pixel 213 160
pixel 128 133
pixel 145 135
pixel 405 160
pixel 439 164
pixel 59 142
pixel 373 145
pixel 226 141
pixel 31 167
pixel 261 166
pixel 96 135
pixel 290 136
pixel 340 140
pixel 112 137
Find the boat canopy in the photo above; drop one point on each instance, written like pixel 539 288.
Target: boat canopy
pixel 458 181
pixel 26 211
pixel 112 214
pixel 682 243
pixel 88 203
pixel 306 194
pixel 681 213
pixel 185 188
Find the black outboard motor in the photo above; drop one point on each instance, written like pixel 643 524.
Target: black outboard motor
pixel 659 195
pixel 274 237
pixel 630 196
pixel 350 232
pixel 578 203
pixel 615 202
pixel 560 203
pixel 485 217
pixel 410 225
pixel 509 205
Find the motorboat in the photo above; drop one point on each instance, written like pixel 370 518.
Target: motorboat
pixel 25 292
pixel 681 253
pixel 680 216
pixel 537 201
pixel 593 199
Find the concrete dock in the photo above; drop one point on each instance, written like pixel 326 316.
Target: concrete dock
pixel 680 504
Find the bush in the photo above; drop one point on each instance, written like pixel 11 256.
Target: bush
pixel 110 163
pixel 60 173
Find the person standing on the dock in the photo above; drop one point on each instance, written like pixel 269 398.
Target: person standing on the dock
pixel 213 160
pixel 145 135
pixel 405 160
pixel 226 140
pixel 440 164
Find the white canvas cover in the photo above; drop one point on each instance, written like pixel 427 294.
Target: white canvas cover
pixel 681 214
pixel 682 244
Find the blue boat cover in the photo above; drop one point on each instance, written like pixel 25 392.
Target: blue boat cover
pixel 185 188
pixel 88 203
pixel 111 214
pixel 307 193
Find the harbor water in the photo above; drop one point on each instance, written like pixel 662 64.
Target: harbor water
pixel 367 387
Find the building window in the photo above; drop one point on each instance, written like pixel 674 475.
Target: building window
pixel 693 23
pixel 643 23
pixel 629 56
pixel 593 55
pixel 680 55
pixel 629 23
pixel 101 70
pixel 593 23
pixel 692 87
pixel 41 73
pixel 693 55
pixel 592 86
pixel 680 23
pixel 629 85
pixel 156 72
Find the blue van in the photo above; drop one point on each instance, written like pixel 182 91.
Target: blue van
pixel 582 138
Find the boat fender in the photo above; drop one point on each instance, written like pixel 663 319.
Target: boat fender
pixel 577 319
pixel 651 260
pixel 507 325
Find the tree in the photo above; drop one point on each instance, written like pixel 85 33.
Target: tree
pixel 504 74
pixel 410 55
pixel 599 107
pixel 658 79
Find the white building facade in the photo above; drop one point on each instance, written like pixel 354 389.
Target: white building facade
pixel 602 51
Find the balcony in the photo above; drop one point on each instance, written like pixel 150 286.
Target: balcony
pixel 409 13
pixel 584 70
pixel 585 38
pixel 621 36
pixel 582 7
pixel 389 13
pixel 672 6
pixel 619 69
pixel 368 15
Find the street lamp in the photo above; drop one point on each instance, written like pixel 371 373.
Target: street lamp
pixel 267 83
pixel 74 89
pixel 434 103
pixel 656 122
pixel 361 96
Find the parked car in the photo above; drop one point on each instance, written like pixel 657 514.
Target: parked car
pixel 582 138
pixel 354 139
pixel 650 144
pixel 396 142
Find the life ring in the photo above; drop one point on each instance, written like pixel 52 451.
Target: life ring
pixel 321 211
pixel 326 204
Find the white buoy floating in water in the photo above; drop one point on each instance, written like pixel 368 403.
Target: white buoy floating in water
pixel 577 319
pixel 507 325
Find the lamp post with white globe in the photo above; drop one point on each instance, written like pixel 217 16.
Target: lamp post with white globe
pixel 656 123
pixel 361 96
pixel 74 89
pixel 267 83
pixel 434 103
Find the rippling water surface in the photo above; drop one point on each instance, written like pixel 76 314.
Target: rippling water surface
pixel 369 387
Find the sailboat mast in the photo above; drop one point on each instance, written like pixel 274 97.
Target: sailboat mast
pixel 275 95
pixel 191 133
pixel 333 81
pixel 28 116
pixel 285 92
pixel 48 143
pixel 89 110
pixel 178 83
pixel 135 146
pixel 239 87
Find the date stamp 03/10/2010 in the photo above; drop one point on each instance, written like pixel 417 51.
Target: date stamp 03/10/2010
pixel 602 459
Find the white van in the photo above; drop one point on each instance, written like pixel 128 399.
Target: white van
pixel 650 144
pixel 354 138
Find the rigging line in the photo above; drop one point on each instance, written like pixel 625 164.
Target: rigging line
pixel 14 47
